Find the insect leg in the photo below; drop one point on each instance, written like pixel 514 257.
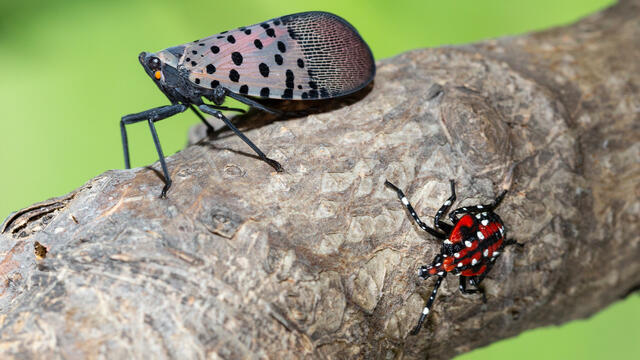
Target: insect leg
pixel 253 103
pixel 212 111
pixel 511 242
pixel 427 308
pixel 407 204
pixel 445 207
pixel 475 282
pixel 152 115
pixel 210 128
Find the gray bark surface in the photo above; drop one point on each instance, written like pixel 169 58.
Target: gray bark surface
pixel 321 261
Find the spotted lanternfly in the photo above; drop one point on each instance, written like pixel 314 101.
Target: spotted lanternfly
pixel 305 56
pixel 470 246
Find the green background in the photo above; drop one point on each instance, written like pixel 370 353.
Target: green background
pixel 69 71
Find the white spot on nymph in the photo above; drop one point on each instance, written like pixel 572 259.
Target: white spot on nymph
pixel 485 222
pixel 468 243
pixel 480 235
pixel 425 311
pixel 460 286
pixel 479 206
pixel 485 252
pixel 448 241
pixel 501 230
pixel 473 262
pixel 440 273
pixel 478 216
pixel 484 213
pixel 404 200
pixel 496 253
pixel 447 203
pixel 444 255
pixel 438 264
pixel 464 209
pixel 456 255
pixel 460 264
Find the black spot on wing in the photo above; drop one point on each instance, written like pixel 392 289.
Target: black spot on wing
pixel 244 89
pixel 257 43
pixel 289 79
pixel 210 69
pixel 215 49
pixel 288 94
pixel 234 75
pixel 278 59
pixel 264 69
pixel 236 57
pixel 282 47
pixel 270 33
pixel 215 84
pixel 231 39
pixel 264 92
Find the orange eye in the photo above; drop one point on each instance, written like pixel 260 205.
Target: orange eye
pixel 158 75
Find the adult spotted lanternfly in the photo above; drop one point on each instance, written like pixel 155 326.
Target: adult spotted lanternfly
pixel 305 56
pixel 470 247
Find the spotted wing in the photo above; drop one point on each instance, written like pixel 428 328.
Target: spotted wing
pixel 308 55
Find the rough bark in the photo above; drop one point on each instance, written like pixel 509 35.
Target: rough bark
pixel 320 261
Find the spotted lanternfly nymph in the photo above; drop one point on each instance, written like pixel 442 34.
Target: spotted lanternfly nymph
pixel 470 246
pixel 305 56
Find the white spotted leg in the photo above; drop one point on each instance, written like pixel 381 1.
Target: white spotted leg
pixel 446 228
pixel 427 308
pixel 415 217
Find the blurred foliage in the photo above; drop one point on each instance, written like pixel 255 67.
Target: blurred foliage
pixel 69 71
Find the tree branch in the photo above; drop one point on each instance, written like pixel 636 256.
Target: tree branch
pixel 242 262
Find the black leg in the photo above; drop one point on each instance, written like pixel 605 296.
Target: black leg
pixel 445 207
pixel 427 308
pixel 253 103
pixel 152 115
pixel 212 111
pixel 475 282
pixel 406 203
pixel 210 128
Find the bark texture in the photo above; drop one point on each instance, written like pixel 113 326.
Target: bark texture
pixel 321 261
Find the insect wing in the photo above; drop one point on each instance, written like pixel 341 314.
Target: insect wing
pixel 308 55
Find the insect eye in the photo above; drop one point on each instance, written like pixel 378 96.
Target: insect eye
pixel 154 63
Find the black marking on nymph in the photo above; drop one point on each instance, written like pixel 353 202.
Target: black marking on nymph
pixel 215 49
pixel 257 43
pixel 278 59
pixel 231 39
pixel 234 75
pixel 270 32
pixel 264 92
pixel 288 94
pixel 236 57
pixel 264 69
pixel 210 69
pixel 281 47
pixel 244 89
